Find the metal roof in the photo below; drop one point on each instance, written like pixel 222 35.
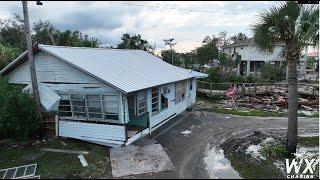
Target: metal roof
pixel 126 70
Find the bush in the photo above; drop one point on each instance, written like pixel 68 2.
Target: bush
pixel 18 117
pixel 236 78
pixel 255 79
pixel 271 73
pixel 214 75
pixel 274 150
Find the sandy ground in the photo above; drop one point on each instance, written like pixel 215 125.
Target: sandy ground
pixel 187 137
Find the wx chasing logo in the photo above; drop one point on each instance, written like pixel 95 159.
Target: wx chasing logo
pixel 304 168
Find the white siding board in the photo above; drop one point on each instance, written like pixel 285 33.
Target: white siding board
pixel 93 132
pixel 173 107
pixel 50 69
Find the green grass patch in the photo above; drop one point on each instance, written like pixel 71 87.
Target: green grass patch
pixel 309 141
pixel 274 150
pixel 249 170
pixel 58 165
pixel 253 112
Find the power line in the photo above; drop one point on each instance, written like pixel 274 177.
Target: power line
pixel 179 9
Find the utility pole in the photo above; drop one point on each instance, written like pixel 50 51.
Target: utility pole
pixel 33 74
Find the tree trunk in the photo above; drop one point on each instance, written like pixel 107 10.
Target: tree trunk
pixel 292 106
pixel 33 75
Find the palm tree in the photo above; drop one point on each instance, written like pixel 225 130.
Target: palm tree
pixel 296 26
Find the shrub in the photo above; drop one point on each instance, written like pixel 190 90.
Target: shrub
pixel 274 150
pixel 214 75
pixel 271 73
pixel 255 79
pixel 236 78
pixel 18 118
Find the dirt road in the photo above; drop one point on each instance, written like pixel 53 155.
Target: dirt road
pixel 187 137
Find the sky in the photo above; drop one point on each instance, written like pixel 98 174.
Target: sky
pixel 187 22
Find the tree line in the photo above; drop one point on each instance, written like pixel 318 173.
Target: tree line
pixel 12 42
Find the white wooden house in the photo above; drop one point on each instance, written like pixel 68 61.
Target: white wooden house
pixel 252 58
pixel 108 96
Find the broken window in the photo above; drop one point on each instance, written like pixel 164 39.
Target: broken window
pixel 90 107
pixel 78 105
pixel 164 100
pixel 94 106
pixel 141 103
pixel 180 91
pixel 155 100
pixel 65 106
pixel 110 107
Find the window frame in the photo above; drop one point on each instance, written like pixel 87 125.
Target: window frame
pixel 138 102
pixel 88 113
pixel 157 101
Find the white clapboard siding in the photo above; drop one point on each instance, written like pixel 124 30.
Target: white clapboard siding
pixel 173 107
pixel 50 69
pixel 92 132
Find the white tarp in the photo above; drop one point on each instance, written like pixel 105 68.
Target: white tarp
pixel 48 98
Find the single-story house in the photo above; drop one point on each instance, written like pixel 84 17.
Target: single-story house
pixel 106 96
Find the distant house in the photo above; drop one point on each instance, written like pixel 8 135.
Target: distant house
pixel 252 58
pixel 107 96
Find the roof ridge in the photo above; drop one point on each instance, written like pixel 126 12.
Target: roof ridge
pixel 95 48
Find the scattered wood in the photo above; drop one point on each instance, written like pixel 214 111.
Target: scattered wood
pixel 63 143
pixel 83 160
pixel 64 151
pixel 307 108
pixel 4 141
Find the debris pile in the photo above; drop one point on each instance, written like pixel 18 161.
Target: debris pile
pixel 272 103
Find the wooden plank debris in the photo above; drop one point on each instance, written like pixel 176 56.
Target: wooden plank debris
pixel 83 160
pixel 64 151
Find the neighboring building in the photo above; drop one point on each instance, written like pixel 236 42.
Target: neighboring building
pixel 107 96
pixel 252 58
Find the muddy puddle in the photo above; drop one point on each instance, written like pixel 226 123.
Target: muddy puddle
pixel 219 167
pixel 243 157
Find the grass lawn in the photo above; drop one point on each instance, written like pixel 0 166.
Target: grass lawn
pixel 58 165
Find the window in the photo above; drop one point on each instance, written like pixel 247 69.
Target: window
pixel 110 107
pixel 97 107
pixel 78 105
pixel 141 103
pixel 94 106
pixel 155 100
pixel 164 99
pixel 180 91
pixel 191 86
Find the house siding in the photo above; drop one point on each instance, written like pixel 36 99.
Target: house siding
pixel 252 53
pixel 50 70
pixel 173 107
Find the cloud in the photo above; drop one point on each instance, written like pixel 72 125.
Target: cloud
pixel 154 20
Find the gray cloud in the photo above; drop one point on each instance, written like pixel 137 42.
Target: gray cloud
pixel 108 21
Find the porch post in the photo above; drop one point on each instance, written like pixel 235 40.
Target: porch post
pixel 248 68
pixel 238 69
pixel 149 107
pixel 125 108
pixel 255 67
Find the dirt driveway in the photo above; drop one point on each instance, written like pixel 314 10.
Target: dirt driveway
pixel 186 138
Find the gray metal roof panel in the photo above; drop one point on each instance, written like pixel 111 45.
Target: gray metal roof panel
pixel 128 70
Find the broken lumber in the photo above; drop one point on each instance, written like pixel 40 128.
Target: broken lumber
pixel 83 160
pixel 64 151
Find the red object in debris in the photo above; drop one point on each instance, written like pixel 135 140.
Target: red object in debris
pixel 230 92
